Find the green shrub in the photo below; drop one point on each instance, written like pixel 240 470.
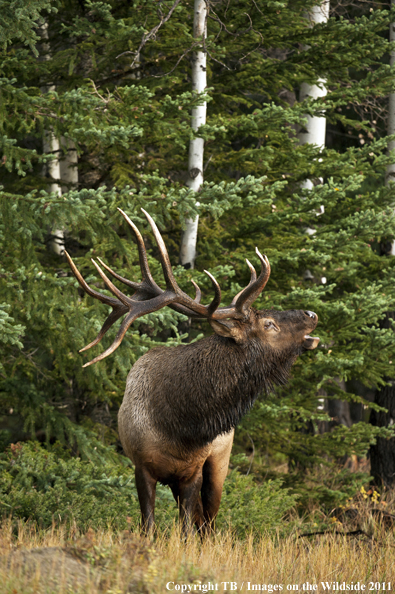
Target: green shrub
pixel 248 506
pixel 48 485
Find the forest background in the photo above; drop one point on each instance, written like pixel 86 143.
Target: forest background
pixel 102 90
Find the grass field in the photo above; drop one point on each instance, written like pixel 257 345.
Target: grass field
pixel 63 560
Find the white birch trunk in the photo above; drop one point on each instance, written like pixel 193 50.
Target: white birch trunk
pixel 64 175
pixel 51 146
pixel 68 166
pixel 316 126
pixel 390 172
pixel 58 170
pixel 196 146
pixel 315 130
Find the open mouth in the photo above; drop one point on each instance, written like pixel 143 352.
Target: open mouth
pixel 310 342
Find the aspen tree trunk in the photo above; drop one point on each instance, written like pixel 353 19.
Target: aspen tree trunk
pixel 63 172
pixel 52 169
pixel 58 170
pixel 68 166
pixel 196 146
pixel 315 130
pixel 316 126
pixel 51 146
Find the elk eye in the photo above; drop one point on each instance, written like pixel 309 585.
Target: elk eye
pixel 268 324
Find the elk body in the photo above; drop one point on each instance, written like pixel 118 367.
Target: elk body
pixel 181 404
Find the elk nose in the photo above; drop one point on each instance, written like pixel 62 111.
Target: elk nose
pixel 311 315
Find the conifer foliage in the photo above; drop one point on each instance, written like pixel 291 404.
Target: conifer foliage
pixel 114 78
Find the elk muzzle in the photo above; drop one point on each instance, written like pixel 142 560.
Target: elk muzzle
pixel 311 342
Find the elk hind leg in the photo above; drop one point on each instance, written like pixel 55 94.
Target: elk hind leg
pixel 198 517
pixel 146 489
pixel 189 496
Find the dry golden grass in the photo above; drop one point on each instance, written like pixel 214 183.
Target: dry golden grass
pixel 64 561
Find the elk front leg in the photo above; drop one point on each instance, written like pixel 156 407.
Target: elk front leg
pixel 146 487
pixel 215 470
pixel 189 491
pixel 211 496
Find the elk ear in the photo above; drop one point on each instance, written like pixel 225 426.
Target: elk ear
pixel 227 328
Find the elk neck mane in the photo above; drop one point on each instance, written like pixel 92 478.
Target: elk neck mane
pixel 200 390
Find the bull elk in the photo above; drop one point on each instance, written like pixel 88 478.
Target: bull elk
pixel 181 404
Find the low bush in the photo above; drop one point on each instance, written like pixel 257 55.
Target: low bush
pixel 48 485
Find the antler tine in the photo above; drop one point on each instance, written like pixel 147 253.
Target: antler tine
pixel 252 280
pixel 119 309
pixel 112 318
pixel 252 270
pixel 171 282
pixel 140 308
pixel 198 294
pixel 148 284
pixel 145 271
pixel 111 287
pixel 104 298
pixel 217 297
pixel 126 281
pixel 253 290
pixel 148 290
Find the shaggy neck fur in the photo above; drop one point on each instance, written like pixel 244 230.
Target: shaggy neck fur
pixel 210 385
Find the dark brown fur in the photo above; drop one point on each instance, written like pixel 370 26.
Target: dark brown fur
pixel 181 405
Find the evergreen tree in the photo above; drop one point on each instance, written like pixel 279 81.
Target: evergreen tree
pixel 382 453
pixel 121 77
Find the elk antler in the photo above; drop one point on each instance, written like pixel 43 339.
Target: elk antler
pixel 149 297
